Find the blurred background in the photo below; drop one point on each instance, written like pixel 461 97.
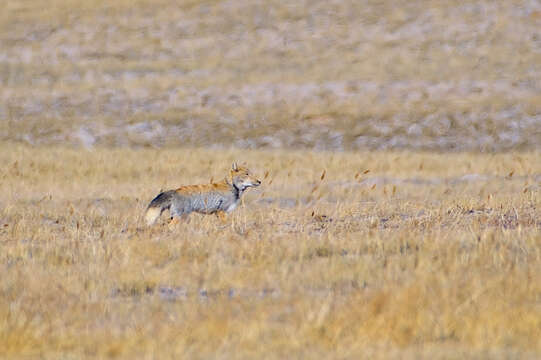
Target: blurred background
pixel 324 75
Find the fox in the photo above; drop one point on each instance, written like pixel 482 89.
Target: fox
pixel 217 198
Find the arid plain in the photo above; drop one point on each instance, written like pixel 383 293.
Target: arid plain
pixel 389 255
pixel 398 146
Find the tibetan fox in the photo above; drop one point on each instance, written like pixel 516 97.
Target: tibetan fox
pixel 215 198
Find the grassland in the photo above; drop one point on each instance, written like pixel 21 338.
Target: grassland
pixel 429 247
pixel 331 75
pixel 390 255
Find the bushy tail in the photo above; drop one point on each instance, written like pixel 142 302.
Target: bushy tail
pixel 157 206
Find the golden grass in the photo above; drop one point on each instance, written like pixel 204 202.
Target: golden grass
pixel 425 255
pixel 426 74
pixel 402 254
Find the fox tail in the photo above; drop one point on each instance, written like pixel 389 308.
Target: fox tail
pixel 157 206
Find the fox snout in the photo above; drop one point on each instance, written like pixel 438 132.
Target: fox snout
pixel 252 182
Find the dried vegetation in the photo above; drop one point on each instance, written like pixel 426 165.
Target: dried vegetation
pixel 428 248
pixel 333 75
pixel 337 255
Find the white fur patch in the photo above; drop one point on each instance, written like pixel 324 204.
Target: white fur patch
pixel 151 215
pixel 232 207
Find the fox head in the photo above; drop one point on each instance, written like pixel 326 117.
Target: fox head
pixel 241 178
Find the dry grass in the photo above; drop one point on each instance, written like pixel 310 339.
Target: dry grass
pixel 401 254
pixel 429 74
pixel 434 256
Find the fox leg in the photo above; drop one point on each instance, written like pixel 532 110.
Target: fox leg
pixel 222 216
pixel 175 220
pixel 178 214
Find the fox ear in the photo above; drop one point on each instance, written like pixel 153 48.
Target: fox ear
pixel 234 166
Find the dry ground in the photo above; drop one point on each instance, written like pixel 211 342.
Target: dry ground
pixel 403 254
pixel 334 75
pixel 390 255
